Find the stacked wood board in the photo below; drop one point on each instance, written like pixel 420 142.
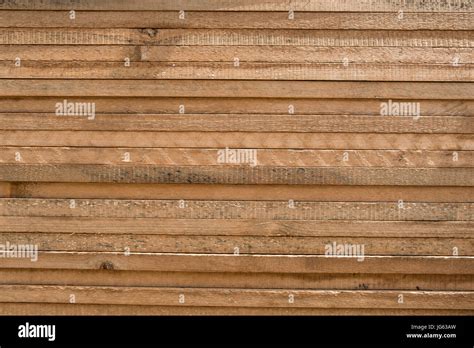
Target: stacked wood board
pixel 237 157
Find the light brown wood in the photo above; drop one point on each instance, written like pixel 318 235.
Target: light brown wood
pixel 241 192
pixel 241 123
pixel 272 210
pixel 221 244
pixel 239 140
pixel 130 206
pixel 245 89
pixel 263 157
pixel 237 37
pixel 238 20
pixel 245 5
pixel 240 227
pixel 100 310
pixel 275 54
pixel 244 263
pixel 245 71
pixel 235 106
pixel 237 297
pixel 410 282
pixel 236 175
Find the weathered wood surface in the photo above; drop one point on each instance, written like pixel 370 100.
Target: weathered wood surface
pixel 131 209
pixel 245 5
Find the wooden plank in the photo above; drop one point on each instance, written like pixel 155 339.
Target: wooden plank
pixel 238 37
pixel 245 89
pixel 263 157
pixel 240 227
pixel 247 245
pixel 100 310
pixel 245 263
pixel 237 174
pixel 237 297
pixel 240 123
pixel 284 140
pixel 241 192
pixel 235 106
pixel 5 189
pixel 238 20
pixel 440 282
pixel 245 71
pixel 261 210
pixel 245 5
pixel 275 54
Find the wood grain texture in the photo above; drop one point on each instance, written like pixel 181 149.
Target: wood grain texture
pixel 410 282
pixel 114 261
pixel 235 106
pixel 237 175
pixel 101 310
pixel 264 157
pixel 238 20
pixel 272 210
pixel 130 206
pixel 237 227
pixel 245 5
pixel 222 244
pixel 236 297
pixel 216 53
pixel 239 192
pixel 239 140
pixel 243 89
pixel 246 71
pixel 235 37
pixel 240 123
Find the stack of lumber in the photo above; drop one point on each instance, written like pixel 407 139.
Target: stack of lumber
pixel 133 212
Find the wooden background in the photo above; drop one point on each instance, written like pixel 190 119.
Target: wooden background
pixel 301 82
